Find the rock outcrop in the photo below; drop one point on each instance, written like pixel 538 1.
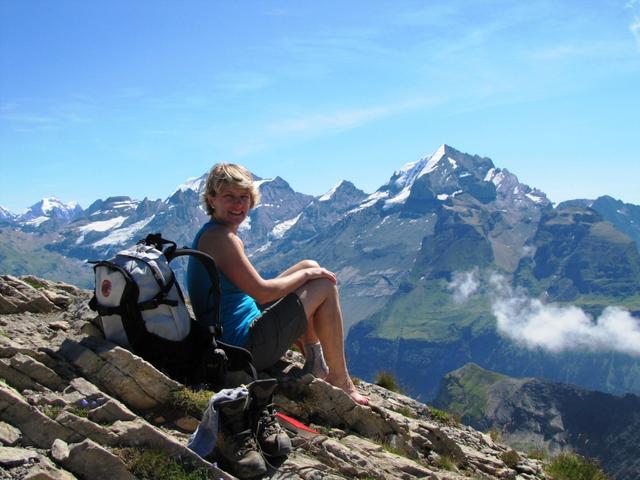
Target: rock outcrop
pixel 75 406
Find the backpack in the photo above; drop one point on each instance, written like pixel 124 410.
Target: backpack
pixel 141 307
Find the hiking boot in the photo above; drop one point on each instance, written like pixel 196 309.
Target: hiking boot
pixel 273 440
pixel 236 445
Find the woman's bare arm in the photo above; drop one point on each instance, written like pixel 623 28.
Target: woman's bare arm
pixel 228 251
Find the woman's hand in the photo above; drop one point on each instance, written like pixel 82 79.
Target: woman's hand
pixel 320 272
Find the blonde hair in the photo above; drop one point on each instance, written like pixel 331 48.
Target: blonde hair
pixel 228 174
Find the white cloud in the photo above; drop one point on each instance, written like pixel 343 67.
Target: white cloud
pixel 463 285
pixel 534 324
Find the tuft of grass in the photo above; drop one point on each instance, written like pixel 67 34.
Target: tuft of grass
pixel 510 458
pixel 537 454
pixel 190 401
pixel 407 412
pixel 33 283
pixel 393 450
pixel 444 417
pixel 51 411
pixel 157 465
pixel 495 435
pixel 445 462
pixel 78 411
pixel 571 466
pixel 356 381
pixel 386 379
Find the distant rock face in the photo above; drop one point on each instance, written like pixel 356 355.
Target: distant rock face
pixel 75 406
pixel 548 416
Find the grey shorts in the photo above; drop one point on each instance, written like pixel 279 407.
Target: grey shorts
pixel 274 331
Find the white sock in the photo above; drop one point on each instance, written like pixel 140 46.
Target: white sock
pixel 314 361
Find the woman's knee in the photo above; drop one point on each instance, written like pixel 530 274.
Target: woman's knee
pixel 309 264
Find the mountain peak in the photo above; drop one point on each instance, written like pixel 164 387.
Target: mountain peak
pixel 341 186
pixel 193 183
pixel 5 213
pixel 51 207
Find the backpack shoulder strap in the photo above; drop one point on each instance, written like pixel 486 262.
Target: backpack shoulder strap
pixel 212 270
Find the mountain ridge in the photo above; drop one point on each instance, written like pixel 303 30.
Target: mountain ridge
pixel 403 254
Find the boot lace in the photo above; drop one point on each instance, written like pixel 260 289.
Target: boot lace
pixel 245 442
pixel 268 422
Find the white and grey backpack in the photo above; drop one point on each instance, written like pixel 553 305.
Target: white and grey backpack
pixel 142 308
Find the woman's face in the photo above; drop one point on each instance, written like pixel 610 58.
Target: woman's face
pixel 231 205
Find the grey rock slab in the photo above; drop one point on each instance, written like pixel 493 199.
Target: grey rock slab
pixel 85 428
pixel 35 426
pixel 13 456
pixel 111 411
pixel 17 379
pixel 36 370
pixel 100 371
pixel 9 435
pixel 46 472
pixel 87 459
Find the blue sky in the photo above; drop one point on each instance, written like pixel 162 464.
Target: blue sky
pixel 132 98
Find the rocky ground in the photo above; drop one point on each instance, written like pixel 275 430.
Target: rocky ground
pixel 75 406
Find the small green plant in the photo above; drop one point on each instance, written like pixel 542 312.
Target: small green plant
pixel 386 379
pixel 191 401
pixel 571 466
pixel 393 450
pixel 510 458
pixel 33 284
pixel 51 411
pixel 444 417
pixel 445 462
pixel 537 454
pixel 78 411
pixel 406 411
pixel 495 435
pixel 157 465
pixel 356 381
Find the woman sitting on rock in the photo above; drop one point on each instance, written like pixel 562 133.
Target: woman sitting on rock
pixel 306 298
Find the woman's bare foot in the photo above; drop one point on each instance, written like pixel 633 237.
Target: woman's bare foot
pixel 349 388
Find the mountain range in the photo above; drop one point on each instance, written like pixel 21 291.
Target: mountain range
pixel 452 260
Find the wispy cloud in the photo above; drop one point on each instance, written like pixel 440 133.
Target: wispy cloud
pixel 533 323
pixel 463 285
pixel 315 125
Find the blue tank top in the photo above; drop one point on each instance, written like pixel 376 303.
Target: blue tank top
pixel 237 309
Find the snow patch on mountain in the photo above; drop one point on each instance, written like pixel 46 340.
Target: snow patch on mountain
pixel 369 201
pixel 536 197
pixel 193 183
pixel 433 161
pixel 400 198
pixel 123 235
pixel 6 214
pixel 36 222
pixel 327 196
pixel 246 225
pixel 102 226
pixel 281 228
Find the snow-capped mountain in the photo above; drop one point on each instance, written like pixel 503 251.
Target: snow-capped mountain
pixel 394 251
pixel 49 209
pixel 6 214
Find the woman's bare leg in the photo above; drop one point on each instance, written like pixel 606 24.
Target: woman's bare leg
pixel 322 307
pixel 310 336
